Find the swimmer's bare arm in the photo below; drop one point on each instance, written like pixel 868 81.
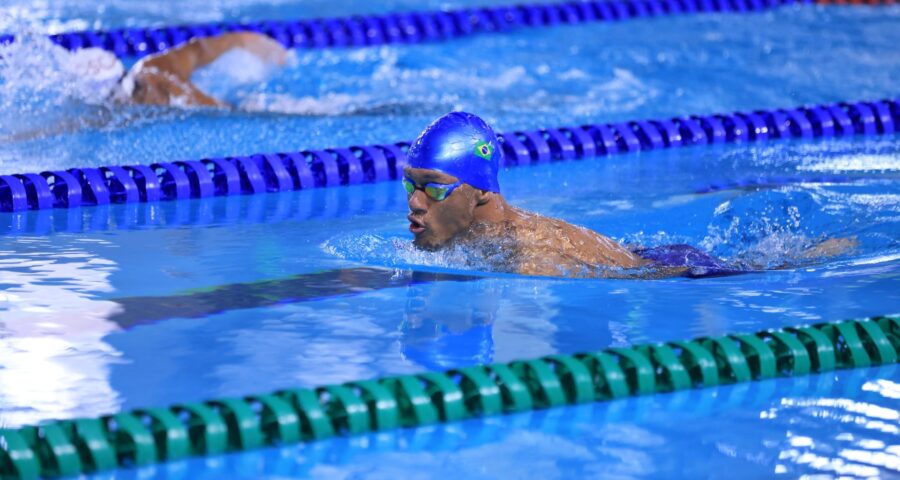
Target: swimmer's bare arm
pixel 162 78
pixel 582 244
pixel 567 266
pixel 554 264
pixel 815 254
pixel 185 59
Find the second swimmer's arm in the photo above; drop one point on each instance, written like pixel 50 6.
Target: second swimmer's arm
pixel 165 78
pixel 185 59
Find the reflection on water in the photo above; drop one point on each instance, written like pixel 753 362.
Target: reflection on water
pixel 324 327
pixel 862 443
pixel 318 204
pixel 53 361
pixel 239 296
pixel 497 322
pixel 437 334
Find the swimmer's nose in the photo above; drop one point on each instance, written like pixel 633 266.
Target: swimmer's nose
pixel 417 204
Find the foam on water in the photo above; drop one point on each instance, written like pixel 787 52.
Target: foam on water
pixel 35 86
pixel 856 163
pixel 777 250
pixel 399 252
pixel 44 93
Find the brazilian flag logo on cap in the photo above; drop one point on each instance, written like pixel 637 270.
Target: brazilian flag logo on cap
pixel 484 150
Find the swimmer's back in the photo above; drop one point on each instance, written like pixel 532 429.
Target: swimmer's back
pixel 546 246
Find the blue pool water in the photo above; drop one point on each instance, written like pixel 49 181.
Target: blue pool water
pixel 126 306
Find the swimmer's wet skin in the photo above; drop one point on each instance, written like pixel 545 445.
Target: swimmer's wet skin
pixel 165 78
pixel 454 200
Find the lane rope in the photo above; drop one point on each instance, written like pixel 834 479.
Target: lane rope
pixel 274 172
pixel 150 435
pixel 402 28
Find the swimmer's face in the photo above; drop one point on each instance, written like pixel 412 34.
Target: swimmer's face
pixel 432 222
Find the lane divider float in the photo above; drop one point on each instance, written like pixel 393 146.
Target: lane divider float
pixel 150 435
pixel 402 28
pixel 274 172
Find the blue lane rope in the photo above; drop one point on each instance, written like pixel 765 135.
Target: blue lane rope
pixel 399 28
pixel 273 172
pixel 320 205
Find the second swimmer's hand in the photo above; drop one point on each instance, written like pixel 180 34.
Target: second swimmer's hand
pixel 262 46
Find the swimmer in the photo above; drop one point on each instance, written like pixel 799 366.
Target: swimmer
pixel 162 79
pixel 455 200
pixel 165 78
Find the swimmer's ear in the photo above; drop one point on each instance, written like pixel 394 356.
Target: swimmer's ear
pixel 482 197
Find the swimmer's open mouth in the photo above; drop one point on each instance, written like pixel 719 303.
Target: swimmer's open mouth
pixel 415 226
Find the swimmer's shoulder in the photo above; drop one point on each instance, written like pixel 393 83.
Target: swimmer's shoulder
pixel 554 236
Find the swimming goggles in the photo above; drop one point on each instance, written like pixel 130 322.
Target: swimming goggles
pixel 435 191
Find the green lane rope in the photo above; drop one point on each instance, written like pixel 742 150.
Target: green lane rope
pixel 145 436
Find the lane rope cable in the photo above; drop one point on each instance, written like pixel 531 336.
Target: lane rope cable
pixel 150 435
pixel 403 28
pixel 273 172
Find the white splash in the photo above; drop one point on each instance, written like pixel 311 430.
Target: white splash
pixel 855 163
pixel 241 67
pixel 396 252
pixel 328 104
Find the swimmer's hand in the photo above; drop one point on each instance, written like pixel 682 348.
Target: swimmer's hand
pixel 262 46
pixel 830 248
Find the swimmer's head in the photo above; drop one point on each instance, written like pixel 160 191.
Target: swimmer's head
pixel 462 145
pixel 97 70
pixel 452 170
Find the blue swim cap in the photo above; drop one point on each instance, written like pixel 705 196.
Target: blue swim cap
pixel 462 145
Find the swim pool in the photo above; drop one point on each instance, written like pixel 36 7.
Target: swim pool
pixel 97 347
